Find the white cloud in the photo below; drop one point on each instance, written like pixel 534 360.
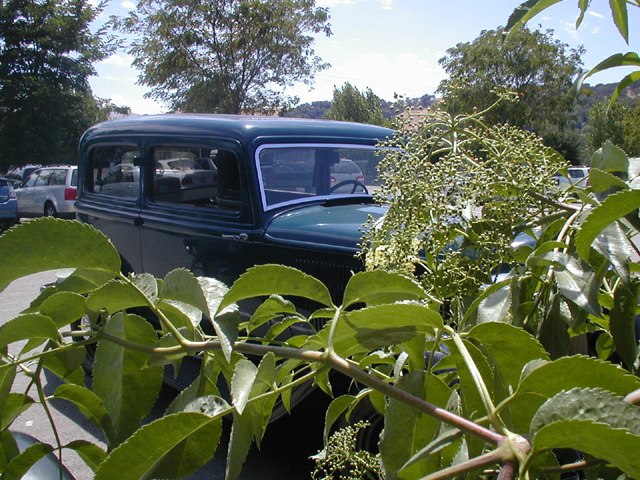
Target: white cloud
pixel 118 60
pixel 405 74
pixel 595 14
pixel 138 105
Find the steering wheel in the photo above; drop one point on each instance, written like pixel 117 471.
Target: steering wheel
pixel 355 183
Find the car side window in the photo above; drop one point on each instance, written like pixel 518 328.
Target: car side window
pixel 58 177
pixel 43 178
pixel 112 171
pixel 197 175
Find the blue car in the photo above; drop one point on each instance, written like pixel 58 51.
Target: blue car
pixel 8 204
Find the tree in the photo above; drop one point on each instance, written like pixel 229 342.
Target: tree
pixel 351 105
pixel 539 69
pixel 47 50
pixel 224 56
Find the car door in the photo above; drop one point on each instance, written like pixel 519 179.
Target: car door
pixel 27 194
pixel 205 227
pixel 109 196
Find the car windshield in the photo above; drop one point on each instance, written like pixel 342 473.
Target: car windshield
pixel 297 173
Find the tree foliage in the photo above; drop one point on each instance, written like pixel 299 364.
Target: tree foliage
pixel 224 56
pixel 616 123
pixel 540 69
pixel 47 51
pixel 351 105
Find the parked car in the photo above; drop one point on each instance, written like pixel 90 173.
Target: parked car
pixel 347 176
pixel 8 204
pixel 576 176
pixel 271 198
pixel 49 191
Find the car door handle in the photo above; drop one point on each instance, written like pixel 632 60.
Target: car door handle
pixel 238 238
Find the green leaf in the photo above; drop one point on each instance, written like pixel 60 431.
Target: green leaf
pixel 91 406
pixel 127 389
pixel 588 404
pixel 615 60
pixel 610 158
pixel 624 83
pixel 495 307
pixel 489 291
pixel 15 404
pixel 273 307
pixel 335 410
pixel 600 181
pixel 265 280
pixel 407 431
pixel 616 446
pixel 116 296
pixel 28 327
pixel 8 448
pixel 7 376
pixel 620 17
pixel 509 349
pixel 576 281
pixel 64 308
pixel 91 454
pixel 214 291
pixel 22 463
pixel 363 331
pixel 378 287
pixel 171 447
pixel 44 244
pixel 614 245
pixel 242 382
pixel 612 209
pixel 622 322
pixel 66 364
pixel 565 373
pixel 526 11
pixel 182 286
pixel 251 422
pixel 204 385
pixel 226 323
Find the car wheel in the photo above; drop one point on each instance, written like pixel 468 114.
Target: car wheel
pixel 50 210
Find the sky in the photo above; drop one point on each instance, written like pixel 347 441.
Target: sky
pixel 393 46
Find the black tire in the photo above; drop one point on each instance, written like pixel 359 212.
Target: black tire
pixel 50 210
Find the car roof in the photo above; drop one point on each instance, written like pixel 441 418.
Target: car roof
pixel 248 129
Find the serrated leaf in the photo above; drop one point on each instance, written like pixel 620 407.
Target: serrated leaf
pixel 369 329
pixel 495 306
pixel 622 321
pixel 64 308
pixel 182 286
pixel 378 287
pixel 91 454
pixel 483 296
pixel 214 291
pixel 226 323
pixel 127 389
pixel 616 446
pixel 8 448
pixel 273 307
pixel 7 376
pixel 509 349
pixel 526 11
pixel 242 382
pixel 66 364
pixel 610 158
pixel 407 431
pixel 620 17
pixel 171 447
pixel 180 315
pixel 28 327
pixel 43 244
pixel 565 373
pixel 265 280
pixel 204 385
pixel 616 247
pixel 588 404
pixel 576 280
pixel 91 406
pixel 335 410
pixel 600 181
pixel 22 463
pixel 15 404
pixel 116 296
pixel 613 208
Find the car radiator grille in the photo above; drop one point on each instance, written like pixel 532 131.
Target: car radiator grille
pixel 334 275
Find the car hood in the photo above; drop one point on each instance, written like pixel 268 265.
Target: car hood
pixel 336 226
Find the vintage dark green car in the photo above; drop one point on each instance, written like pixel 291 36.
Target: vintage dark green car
pixel 219 194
